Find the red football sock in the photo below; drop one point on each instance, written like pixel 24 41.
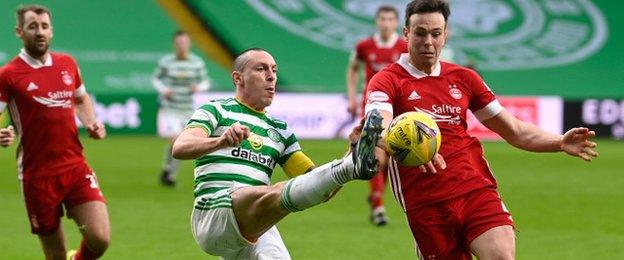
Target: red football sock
pixel 377 187
pixel 85 253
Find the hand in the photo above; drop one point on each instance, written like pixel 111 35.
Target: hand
pixel 576 142
pixel 96 130
pixel 194 89
pixel 7 136
pixel 235 135
pixel 436 162
pixel 352 107
pixel 167 94
pixel 354 136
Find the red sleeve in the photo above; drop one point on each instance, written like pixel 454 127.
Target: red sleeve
pixel 380 92
pixel 79 88
pixel 4 88
pixel 359 51
pixel 76 72
pixel 483 102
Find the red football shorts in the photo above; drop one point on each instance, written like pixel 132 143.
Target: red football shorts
pixel 445 230
pixel 45 196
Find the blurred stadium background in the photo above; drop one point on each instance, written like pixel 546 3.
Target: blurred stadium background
pixel 556 63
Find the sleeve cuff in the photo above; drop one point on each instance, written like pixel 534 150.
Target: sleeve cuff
pixel 292 148
pixel 490 110
pixel 80 91
pixel 158 85
pixel 379 106
pixel 195 125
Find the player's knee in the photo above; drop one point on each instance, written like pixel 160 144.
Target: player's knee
pixel 268 201
pixel 98 239
pixel 272 196
pixel 54 251
pixel 100 243
pixel 53 246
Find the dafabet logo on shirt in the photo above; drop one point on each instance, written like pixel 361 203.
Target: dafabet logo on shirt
pixel 249 155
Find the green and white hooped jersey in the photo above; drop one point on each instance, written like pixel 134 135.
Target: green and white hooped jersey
pixel 270 142
pixel 179 76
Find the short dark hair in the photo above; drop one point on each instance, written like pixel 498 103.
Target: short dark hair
pixel 241 60
pixel 178 33
pixel 386 9
pixel 38 9
pixel 427 6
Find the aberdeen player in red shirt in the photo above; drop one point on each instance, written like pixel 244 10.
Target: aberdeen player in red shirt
pixel 452 205
pixel 43 92
pixel 375 53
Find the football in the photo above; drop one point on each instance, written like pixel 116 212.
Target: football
pixel 413 138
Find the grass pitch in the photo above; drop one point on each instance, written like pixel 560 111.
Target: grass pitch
pixel 563 208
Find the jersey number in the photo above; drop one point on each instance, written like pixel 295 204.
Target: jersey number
pixel 93 180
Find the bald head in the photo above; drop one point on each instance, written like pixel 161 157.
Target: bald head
pixel 244 57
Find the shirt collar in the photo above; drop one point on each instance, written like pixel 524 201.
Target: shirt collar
pixel 35 63
pixel 404 62
pixel 392 40
pixel 249 107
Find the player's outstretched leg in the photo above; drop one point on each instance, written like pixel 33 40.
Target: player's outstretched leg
pixel 317 186
pixel 258 208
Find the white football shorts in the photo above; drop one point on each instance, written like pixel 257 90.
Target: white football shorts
pixel 171 123
pixel 216 231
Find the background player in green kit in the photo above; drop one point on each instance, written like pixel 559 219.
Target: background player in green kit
pixel 178 76
pixel 236 145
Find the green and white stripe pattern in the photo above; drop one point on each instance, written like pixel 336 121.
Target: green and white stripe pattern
pixel 220 199
pixel 251 163
pixel 179 76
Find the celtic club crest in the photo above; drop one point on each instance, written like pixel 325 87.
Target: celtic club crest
pixel 497 34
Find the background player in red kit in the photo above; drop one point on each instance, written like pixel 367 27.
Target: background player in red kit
pixel 43 92
pixel 375 53
pixel 452 204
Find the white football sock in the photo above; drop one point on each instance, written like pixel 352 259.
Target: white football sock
pixel 171 164
pixel 316 186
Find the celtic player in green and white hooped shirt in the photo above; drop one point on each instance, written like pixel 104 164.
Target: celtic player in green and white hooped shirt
pixel 236 145
pixel 270 142
pixel 177 78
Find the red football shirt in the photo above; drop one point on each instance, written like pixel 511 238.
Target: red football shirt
pixel 445 95
pixel 40 99
pixel 377 55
